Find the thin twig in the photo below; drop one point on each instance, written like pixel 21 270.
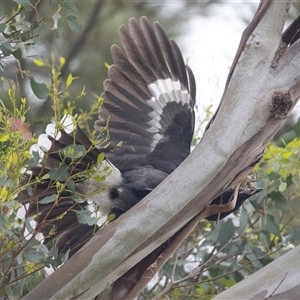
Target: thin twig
pixel 277 287
pixel 14 15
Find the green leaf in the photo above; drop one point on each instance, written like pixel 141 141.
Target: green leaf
pixel 296 234
pixel 272 226
pixel 226 232
pixel 39 62
pixel 71 185
pixel 69 80
pixel 265 237
pixel 29 190
pixel 10 233
pixel 41 27
pixel 73 23
pixel 282 186
pixel 100 158
pixel 39 89
pixel 252 256
pixel 69 6
pixel 33 255
pixel 77 198
pixel 28 244
pixel 35 157
pixel 26 35
pixel 17 54
pixel 2 221
pixel 111 217
pixel 281 204
pixel 6 48
pixel 74 151
pixel 28 225
pixel 58 33
pixel 2 27
pixel 48 199
pixel 276 196
pixel 227 282
pixel 84 217
pixel 59 174
pixel 19 258
pixel 244 221
pixel 25 3
pixel 6 35
pixel 34 25
pixel 3 179
pixel 99 178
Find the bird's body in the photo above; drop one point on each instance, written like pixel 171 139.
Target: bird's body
pixel 148 105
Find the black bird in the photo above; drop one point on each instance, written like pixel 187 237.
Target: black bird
pixel 227 196
pixel 148 106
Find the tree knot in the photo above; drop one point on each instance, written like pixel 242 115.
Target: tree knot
pixel 280 105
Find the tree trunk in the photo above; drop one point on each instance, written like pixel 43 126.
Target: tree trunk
pixel 262 87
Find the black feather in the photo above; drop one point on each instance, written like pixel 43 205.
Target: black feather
pixel 226 197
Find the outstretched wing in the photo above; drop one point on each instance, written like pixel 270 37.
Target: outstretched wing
pixel 149 100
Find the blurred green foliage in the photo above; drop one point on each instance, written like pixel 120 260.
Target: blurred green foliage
pixel 48 46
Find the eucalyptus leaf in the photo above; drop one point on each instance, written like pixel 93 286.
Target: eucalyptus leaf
pixel 33 255
pixel 59 174
pixel 2 27
pixel 25 3
pixel 252 256
pixel 39 89
pixel 84 217
pixel 6 48
pixel 100 158
pixel 71 185
pixel 77 198
pixel 17 54
pixel 74 151
pixel 272 226
pixel 226 232
pixel 69 6
pixel 48 199
pixel 73 23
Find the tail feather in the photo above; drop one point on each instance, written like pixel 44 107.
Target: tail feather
pixel 75 237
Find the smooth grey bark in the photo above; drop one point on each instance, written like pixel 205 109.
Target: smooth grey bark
pixel 278 280
pixel 262 88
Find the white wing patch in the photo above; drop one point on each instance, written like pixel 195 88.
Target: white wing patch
pixel 163 91
pixel 44 144
pixel 68 124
